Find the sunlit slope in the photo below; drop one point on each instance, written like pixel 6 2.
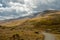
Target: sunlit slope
pixel 47 19
pixel 49 22
pixel 31 28
pixel 13 23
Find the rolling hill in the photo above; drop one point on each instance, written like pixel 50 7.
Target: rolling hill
pixel 45 16
pixel 29 28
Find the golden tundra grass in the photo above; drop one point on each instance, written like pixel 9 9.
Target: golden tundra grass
pixel 23 34
pixel 30 29
pixel 57 36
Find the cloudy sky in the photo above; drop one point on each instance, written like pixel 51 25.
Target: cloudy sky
pixel 10 9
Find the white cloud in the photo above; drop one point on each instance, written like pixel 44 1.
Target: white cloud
pixel 16 8
pixel 0 5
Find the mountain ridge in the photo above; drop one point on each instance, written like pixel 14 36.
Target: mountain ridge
pixel 37 16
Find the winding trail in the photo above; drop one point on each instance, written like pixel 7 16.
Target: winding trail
pixel 48 36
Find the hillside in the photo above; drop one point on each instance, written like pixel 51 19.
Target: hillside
pixel 50 20
pixel 35 16
pixel 30 28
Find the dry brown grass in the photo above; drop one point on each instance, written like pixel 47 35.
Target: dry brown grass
pixel 23 34
pixel 13 23
pixel 57 36
pixel 29 29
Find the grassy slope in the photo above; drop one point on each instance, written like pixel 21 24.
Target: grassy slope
pixel 31 27
pixel 49 21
